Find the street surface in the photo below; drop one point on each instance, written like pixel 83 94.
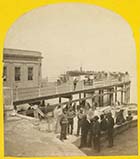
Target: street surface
pixel 22 138
pixel 125 144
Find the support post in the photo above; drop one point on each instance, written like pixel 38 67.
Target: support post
pixel 111 96
pixel 125 93
pixel 84 95
pixel 93 101
pixel 100 98
pixel 128 101
pixel 16 90
pixel 122 95
pixel 116 94
pixel 60 100
pixel 79 98
pixel 70 101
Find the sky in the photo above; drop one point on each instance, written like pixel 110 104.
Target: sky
pixel 71 35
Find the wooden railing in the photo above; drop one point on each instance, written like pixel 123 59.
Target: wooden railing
pixel 53 88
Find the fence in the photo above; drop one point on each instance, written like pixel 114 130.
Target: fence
pixel 53 88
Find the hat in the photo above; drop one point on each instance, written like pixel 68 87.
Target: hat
pixel 96 117
pixel 102 116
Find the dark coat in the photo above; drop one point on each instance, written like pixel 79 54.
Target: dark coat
pixel 97 128
pixel 64 119
pixel 103 125
pixel 85 126
pixel 110 124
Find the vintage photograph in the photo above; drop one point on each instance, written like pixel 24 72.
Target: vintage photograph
pixel 70 83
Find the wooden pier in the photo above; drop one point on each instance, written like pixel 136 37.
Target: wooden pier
pixel 113 90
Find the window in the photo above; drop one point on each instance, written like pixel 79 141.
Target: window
pixel 4 73
pixel 17 74
pixel 30 73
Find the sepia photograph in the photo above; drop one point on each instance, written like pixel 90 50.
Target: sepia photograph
pixel 70 83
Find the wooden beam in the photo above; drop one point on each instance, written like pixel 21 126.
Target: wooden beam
pixel 66 96
pixel 116 94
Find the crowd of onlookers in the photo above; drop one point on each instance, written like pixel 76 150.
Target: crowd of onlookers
pixel 90 127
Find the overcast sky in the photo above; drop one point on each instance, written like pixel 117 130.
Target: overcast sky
pixel 71 35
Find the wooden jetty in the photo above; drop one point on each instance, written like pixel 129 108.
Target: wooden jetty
pixel 111 89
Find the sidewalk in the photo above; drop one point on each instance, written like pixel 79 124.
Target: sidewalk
pixel 22 139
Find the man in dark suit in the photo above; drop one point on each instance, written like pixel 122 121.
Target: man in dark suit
pixel 110 129
pixel 85 126
pixel 103 122
pixel 96 135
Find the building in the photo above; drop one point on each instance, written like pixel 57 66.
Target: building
pixel 21 74
pixel 22 68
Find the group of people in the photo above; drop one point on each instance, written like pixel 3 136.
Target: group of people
pixel 67 123
pixel 92 128
pixel 89 129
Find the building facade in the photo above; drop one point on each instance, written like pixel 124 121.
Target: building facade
pixel 22 68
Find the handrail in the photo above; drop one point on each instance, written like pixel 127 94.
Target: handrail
pixel 54 94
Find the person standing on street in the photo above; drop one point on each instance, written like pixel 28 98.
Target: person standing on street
pixel 80 115
pixel 103 123
pixel 57 116
pixel 96 137
pixel 93 121
pixel 91 133
pixel 70 115
pixel 90 116
pixel 64 125
pixel 110 129
pixel 85 126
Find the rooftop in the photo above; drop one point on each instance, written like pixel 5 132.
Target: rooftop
pixel 20 52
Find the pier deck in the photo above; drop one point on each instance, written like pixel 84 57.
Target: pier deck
pixel 67 91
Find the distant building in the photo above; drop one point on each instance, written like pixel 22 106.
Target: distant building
pixel 22 68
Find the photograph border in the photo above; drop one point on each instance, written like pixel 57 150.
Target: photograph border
pixel 11 10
